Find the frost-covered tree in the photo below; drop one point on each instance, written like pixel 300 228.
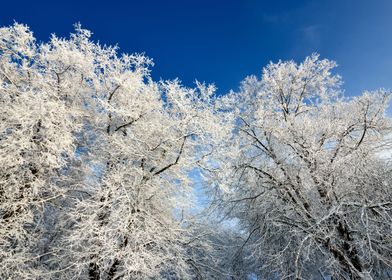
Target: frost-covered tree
pixel 95 162
pixel 37 130
pixel 146 149
pixel 308 184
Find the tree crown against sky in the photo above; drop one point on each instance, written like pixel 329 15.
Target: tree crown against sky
pixel 96 160
pixel 309 182
pixel 95 157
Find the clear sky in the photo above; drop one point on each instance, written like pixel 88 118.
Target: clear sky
pixel 224 41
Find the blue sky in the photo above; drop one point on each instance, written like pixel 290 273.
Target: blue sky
pixel 224 41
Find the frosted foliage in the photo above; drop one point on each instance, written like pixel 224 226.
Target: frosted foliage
pixel 99 165
pixel 94 162
pixel 307 183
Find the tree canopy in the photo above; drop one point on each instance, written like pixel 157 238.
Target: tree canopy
pixel 98 164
